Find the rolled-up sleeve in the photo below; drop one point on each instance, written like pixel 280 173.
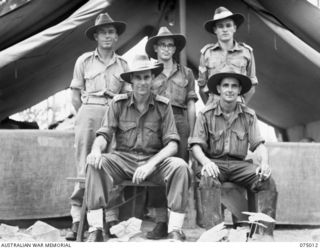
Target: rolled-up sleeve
pixel 78 81
pixel 203 72
pixel 168 127
pixel 255 138
pixel 252 70
pixel 110 122
pixel 200 132
pixel 191 95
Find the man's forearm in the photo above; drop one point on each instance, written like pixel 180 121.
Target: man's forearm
pixel 191 115
pixel 199 155
pixel 262 154
pixel 99 144
pixel 76 99
pixel 169 150
pixel 248 96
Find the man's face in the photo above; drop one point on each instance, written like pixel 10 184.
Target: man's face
pixel 165 49
pixel 225 30
pixel 141 82
pixel 229 89
pixel 106 36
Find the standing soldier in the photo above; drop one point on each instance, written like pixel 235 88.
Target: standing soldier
pixel 177 83
pixel 96 80
pixel 227 52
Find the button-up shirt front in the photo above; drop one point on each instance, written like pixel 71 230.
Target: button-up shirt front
pixel 179 87
pixel 138 132
pixel 214 60
pixel 219 136
pixel 94 78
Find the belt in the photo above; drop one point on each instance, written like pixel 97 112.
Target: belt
pixel 229 158
pixel 177 110
pixel 95 100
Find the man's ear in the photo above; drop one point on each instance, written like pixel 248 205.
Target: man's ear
pixel 240 89
pixel 95 36
pixel 219 89
pixel 155 48
pixel 214 28
pixel 116 38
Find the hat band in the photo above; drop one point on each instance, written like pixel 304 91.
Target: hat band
pixel 222 15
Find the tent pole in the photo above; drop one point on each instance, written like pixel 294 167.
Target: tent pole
pixel 182 21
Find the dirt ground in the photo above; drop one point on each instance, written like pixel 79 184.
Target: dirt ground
pixel 281 234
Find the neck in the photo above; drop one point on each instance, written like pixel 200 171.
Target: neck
pixel 228 107
pixel 226 45
pixel 141 100
pixel 105 53
pixel 167 66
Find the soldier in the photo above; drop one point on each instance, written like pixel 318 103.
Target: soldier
pixel 146 140
pixel 177 83
pixel 222 134
pixel 96 80
pixel 227 52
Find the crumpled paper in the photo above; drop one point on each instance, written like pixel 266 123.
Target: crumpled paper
pixel 215 234
pixel 126 229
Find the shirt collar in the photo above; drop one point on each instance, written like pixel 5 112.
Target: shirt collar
pixel 218 110
pixel 235 47
pixel 150 100
pixel 113 59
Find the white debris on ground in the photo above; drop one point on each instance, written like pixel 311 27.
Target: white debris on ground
pixel 126 230
pixel 39 231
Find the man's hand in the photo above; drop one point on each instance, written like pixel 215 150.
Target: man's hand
pixel 94 159
pixel 142 173
pixel 263 171
pixel 211 168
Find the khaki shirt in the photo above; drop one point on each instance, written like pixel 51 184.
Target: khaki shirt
pixel 219 137
pixel 142 133
pixel 96 79
pixel 213 60
pixel 179 87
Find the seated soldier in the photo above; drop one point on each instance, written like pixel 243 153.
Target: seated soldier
pixel 220 141
pixel 146 140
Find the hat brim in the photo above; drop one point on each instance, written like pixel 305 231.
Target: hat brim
pixel 119 26
pixel 237 18
pixel 156 70
pixel 215 80
pixel 179 42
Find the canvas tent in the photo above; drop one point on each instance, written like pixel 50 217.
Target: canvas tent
pixel 283 34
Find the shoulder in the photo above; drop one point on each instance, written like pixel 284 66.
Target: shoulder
pixel 85 56
pixel 120 97
pixel 248 110
pixel 162 99
pixel 242 44
pixel 206 47
pixel 208 108
pixel 121 59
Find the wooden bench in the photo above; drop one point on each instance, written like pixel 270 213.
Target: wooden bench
pixel 125 183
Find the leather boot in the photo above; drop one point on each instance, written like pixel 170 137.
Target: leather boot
pixel 72 235
pixel 209 202
pixel 160 231
pixel 95 236
pixel 177 235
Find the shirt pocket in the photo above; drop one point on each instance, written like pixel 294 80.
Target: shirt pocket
pixel 94 81
pixel 114 83
pixel 126 133
pixel 239 65
pixel 239 143
pixel 179 91
pixel 152 136
pixel 216 142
